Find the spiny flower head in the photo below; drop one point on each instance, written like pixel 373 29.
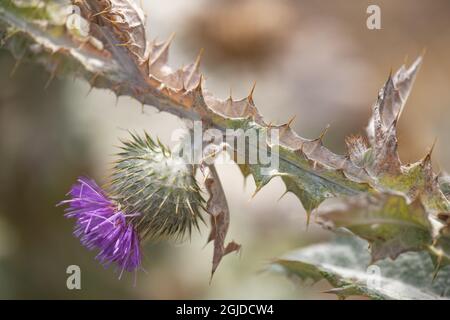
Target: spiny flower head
pixel 152 195
pixel 101 224
pixel 149 179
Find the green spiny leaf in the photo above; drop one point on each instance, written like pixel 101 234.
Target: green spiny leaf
pixel 390 224
pixel 344 263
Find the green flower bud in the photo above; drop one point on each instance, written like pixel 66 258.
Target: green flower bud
pixel 157 185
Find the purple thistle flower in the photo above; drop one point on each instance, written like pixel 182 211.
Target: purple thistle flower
pixel 101 224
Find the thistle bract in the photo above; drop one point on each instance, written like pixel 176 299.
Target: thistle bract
pixel 150 180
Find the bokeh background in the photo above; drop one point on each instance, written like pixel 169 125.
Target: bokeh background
pixel 313 59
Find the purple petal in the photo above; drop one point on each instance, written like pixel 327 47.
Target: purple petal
pixel 100 225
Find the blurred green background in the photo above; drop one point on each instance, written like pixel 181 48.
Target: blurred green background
pixel 313 59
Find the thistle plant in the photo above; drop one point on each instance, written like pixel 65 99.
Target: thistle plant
pixel 400 210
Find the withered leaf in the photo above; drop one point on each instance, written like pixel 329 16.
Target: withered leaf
pixel 217 207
